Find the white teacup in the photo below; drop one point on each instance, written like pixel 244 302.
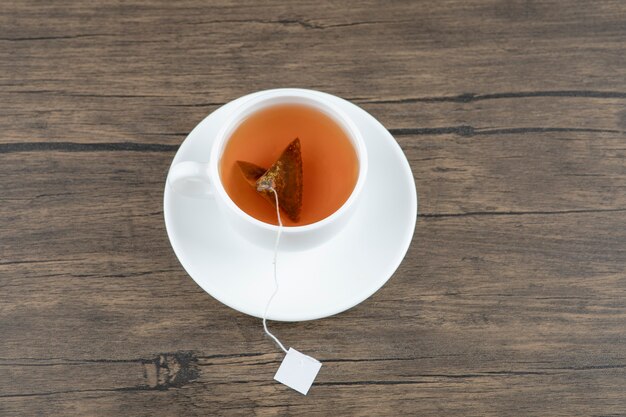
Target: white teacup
pixel 202 179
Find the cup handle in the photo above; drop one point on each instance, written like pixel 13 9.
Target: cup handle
pixel 190 179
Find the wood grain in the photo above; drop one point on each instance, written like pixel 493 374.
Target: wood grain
pixel 511 300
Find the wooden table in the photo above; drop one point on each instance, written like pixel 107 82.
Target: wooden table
pixel 512 297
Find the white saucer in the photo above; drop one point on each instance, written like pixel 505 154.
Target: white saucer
pixel 315 283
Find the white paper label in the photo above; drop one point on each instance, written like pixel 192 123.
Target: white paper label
pixel 298 371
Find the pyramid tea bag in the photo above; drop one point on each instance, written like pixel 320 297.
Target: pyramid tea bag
pixel 284 176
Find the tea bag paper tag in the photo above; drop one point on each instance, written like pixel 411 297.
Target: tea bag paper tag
pixel 298 371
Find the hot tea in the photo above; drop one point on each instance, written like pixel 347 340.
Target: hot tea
pixel 329 162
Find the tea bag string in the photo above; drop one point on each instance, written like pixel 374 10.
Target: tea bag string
pixel 267 306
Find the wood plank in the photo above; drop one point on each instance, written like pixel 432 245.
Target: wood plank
pixel 542 171
pixel 563 391
pixel 93 120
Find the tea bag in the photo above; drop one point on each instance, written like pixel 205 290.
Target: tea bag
pixel 284 176
pixel 297 370
pixel 281 184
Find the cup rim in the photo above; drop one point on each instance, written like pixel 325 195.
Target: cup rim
pixel 265 99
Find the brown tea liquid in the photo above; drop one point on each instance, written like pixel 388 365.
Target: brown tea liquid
pixel 329 163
